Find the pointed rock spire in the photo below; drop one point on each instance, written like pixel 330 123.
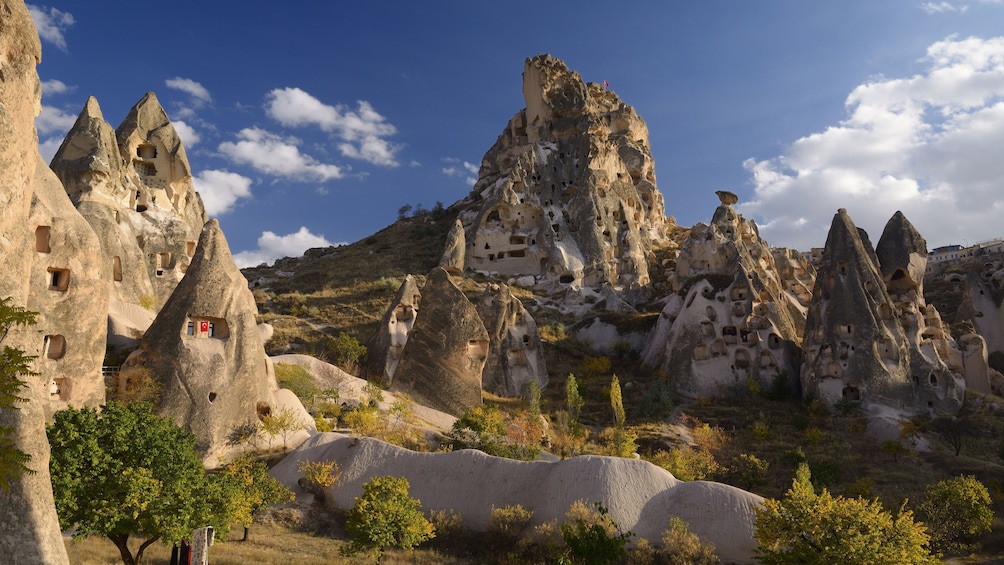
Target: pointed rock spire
pixel 902 255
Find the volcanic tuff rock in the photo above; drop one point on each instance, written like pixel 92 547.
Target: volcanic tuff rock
pixel 871 337
pixel 29 528
pixel 515 352
pixel 738 314
pixel 384 349
pixel 69 290
pixel 639 495
pixel 134 186
pixel 567 193
pixel 446 351
pixel 205 351
pixel 456 245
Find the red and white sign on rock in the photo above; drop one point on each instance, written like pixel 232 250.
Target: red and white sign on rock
pixel 204 326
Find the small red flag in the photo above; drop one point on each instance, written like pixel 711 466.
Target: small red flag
pixel 606 84
pixel 204 326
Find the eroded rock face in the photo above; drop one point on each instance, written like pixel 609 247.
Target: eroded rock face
pixel 456 246
pixel 567 193
pixel 869 335
pixel 385 348
pixel 69 290
pixel 205 351
pixel 738 316
pixel 29 528
pixel 515 352
pixel 446 350
pixel 134 186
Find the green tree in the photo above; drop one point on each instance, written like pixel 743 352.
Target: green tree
pixel 622 447
pixel 281 422
pixel 804 527
pixel 123 471
pixel 249 489
pixel 346 351
pixel 956 511
pixel 14 365
pixel 592 535
pixel 497 433
pixel 574 401
pixel 385 516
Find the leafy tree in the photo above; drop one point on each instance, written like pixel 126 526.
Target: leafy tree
pixel 385 516
pixel 893 447
pixel 281 422
pixel 318 475
pixel 804 527
pixel 497 433
pixel 952 430
pixel 403 211
pixel 592 367
pixel 679 545
pixel 249 489
pixel 623 446
pixel 749 471
pixel 346 351
pixel 244 435
pixel 124 471
pixel 534 397
pixel 574 401
pixel 956 511
pixel 14 364
pixel 592 536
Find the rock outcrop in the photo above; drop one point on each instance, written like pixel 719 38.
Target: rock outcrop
pixel 456 247
pixel 134 186
pixel 567 194
pixel 639 496
pixel 29 528
pixel 69 290
pixel 869 335
pixel 205 351
pixel 385 348
pixel 738 315
pixel 446 351
pixel 515 352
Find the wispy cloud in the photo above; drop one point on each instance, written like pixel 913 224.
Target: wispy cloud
pixel 53 120
pixel 362 131
pixel 460 169
pixel 943 7
pixel 220 190
pixel 928 145
pixel 276 155
pixel 51 24
pixel 53 87
pixel 272 247
pixel 200 96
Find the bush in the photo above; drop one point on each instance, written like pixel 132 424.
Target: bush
pixel 385 516
pixel 681 546
pixel 749 471
pixel 318 475
pixel 509 520
pixel 296 379
pixel 592 536
pixel 497 433
pixel 804 527
pixel 447 523
pixel 592 367
pixel 956 511
pixel 688 464
pixel 346 351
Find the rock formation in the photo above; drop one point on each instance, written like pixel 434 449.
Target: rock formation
pixel 134 186
pixel 29 528
pixel 639 496
pixel 446 351
pixel 869 335
pixel 737 317
pixel 205 351
pixel 567 193
pixel 385 348
pixel 515 352
pixel 456 246
pixel 69 290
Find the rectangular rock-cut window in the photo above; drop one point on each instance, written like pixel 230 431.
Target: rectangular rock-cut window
pixel 116 269
pixel 207 327
pixel 190 328
pixel 54 346
pixel 190 248
pixel 42 239
pixel 59 279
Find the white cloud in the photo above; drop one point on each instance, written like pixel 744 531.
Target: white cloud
pixel 276 155
pixel 220 190
pixel 49 147
pixel 53 120
pixel 461 169
pixel 51 24
pixel 187 133
pixel 53 87
pixel 272 247
pixel 198 92
pixel 362 131
pixel 940 7
pixel 927 145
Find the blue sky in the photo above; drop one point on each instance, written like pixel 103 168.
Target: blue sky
pixel 308 123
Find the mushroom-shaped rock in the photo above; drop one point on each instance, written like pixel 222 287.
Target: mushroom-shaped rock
pixel 205 351
pixel 446 350
pixel 727 198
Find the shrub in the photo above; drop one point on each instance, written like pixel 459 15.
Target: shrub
pixel 446 523
pixel 957 511
pixel 318 475
pixel 497 433
pixel 346 351
pixel 804 527
pixel 825 473
pixel 365 421
pixel 688 464
pixel 592 367
pixel 149 302
pixel 509 520
pixel 385 516
pixel 749 471
pixel 592 536
pixel 296 379
pixel 387 284
pixel 681 546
